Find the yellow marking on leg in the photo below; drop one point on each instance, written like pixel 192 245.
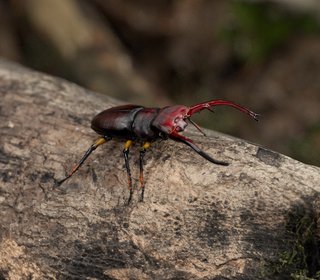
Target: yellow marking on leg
pixel 99 142
pixel 128 144
pixel 146 145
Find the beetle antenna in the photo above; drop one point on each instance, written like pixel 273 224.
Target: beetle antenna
pixel 196 126
pixel 209 109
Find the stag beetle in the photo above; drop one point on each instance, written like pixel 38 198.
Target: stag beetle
pixel 135 123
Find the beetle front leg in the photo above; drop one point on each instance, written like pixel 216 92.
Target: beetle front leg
pixel 143 150
pixel 126 149
pixel 95 145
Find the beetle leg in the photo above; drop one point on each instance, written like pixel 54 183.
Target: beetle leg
pixel 126 149
pixel 95 145
pixel 143 150
pixel 180 138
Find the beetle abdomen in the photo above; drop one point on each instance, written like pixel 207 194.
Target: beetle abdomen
pixel 116 121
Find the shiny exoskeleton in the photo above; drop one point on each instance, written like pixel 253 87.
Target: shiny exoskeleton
pixel 135 123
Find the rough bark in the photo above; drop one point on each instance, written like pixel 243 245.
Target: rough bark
pixel 255 218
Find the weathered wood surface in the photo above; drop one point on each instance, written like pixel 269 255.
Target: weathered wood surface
pixel 198 220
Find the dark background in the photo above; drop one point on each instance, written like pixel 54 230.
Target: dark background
pixel 262 54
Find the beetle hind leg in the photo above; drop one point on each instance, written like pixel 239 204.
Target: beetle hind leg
pixel 143 150
pixel 95 145
pixel 126 149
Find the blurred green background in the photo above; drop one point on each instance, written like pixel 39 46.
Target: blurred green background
pixel 262 54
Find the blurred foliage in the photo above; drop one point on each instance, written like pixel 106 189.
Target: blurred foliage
pixel 40 54
pixel 307 148
pixel 258 29
pixel 256 53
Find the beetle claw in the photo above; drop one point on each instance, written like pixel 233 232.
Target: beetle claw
pixel 207 105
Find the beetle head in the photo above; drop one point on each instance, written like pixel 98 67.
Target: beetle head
pixel 172 118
